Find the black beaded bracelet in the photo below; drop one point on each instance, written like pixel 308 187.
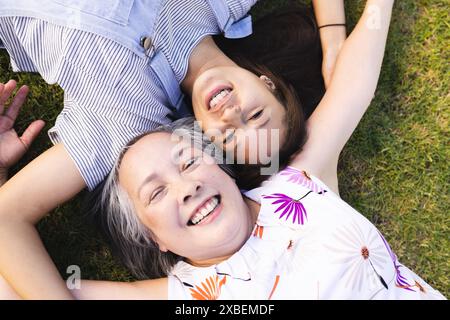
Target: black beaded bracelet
pixel 333 25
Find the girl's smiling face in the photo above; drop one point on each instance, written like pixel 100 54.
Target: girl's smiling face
pixel 233 106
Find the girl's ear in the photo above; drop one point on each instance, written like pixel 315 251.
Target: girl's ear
pixel 268 82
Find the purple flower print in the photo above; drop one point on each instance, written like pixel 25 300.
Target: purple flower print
pixel 302 178
pixel 400 280
pixel 288 207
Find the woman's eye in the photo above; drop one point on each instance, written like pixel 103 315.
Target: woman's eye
pixel 256 115
pixel 189 163
pixel 156 194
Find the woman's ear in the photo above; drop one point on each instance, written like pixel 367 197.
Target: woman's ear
pixel 159 245
pixel 162 248
pixel 268 82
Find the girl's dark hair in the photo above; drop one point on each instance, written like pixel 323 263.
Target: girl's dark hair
pixel 287 42
pixel 285 46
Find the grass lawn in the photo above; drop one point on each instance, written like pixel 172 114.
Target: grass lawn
pixel 394 170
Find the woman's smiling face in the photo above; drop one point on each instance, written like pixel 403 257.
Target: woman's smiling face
pixel 234 106
pixel 193 208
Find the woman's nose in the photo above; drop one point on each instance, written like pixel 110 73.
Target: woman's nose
pixel 189 190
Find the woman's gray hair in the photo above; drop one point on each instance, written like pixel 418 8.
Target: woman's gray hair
pixel 132 241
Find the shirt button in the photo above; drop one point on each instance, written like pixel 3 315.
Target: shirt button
pixel 146 43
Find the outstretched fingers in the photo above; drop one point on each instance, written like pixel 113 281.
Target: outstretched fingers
pixel 32 132
pixel 17 103
pixel 6 91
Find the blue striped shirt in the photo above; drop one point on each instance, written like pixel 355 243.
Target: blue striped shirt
pixel 112 92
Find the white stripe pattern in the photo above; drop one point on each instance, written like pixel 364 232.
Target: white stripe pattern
pixel 111 94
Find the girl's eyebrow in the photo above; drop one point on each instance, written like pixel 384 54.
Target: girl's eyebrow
pixel 226 138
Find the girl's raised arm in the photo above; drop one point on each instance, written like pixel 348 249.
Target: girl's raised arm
pixel 330 16
pixel 48 181
pixel 350 93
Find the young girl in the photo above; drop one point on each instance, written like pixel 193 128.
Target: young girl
pixel 121 64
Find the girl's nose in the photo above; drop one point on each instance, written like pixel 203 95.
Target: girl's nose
pixel 232 115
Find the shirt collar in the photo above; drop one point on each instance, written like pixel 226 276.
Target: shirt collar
pixel 226 21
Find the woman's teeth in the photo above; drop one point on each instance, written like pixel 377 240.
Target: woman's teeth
pixel 216 99
pixel 205 210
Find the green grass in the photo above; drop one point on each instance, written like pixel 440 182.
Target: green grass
pixel 394 169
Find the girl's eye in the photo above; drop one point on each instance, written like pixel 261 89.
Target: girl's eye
pixel 229 137
pixel 256 115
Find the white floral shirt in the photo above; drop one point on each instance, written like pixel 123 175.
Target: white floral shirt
pixel 307 244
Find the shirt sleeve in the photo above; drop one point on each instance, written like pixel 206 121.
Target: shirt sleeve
pixel 94 140
pixel 240 8
pixel 110 97
pixel 110 93
pixel 176 289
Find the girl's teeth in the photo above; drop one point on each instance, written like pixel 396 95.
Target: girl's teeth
pixel 218 97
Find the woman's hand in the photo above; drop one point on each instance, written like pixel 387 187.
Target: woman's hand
pixel 13 147
pixel 332 38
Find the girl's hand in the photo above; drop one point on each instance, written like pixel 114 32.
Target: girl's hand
pixel 332 38
pixel 13 147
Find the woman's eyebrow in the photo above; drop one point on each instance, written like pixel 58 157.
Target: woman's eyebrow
pixel 181 151
pixel 191 149
pixel 149 178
